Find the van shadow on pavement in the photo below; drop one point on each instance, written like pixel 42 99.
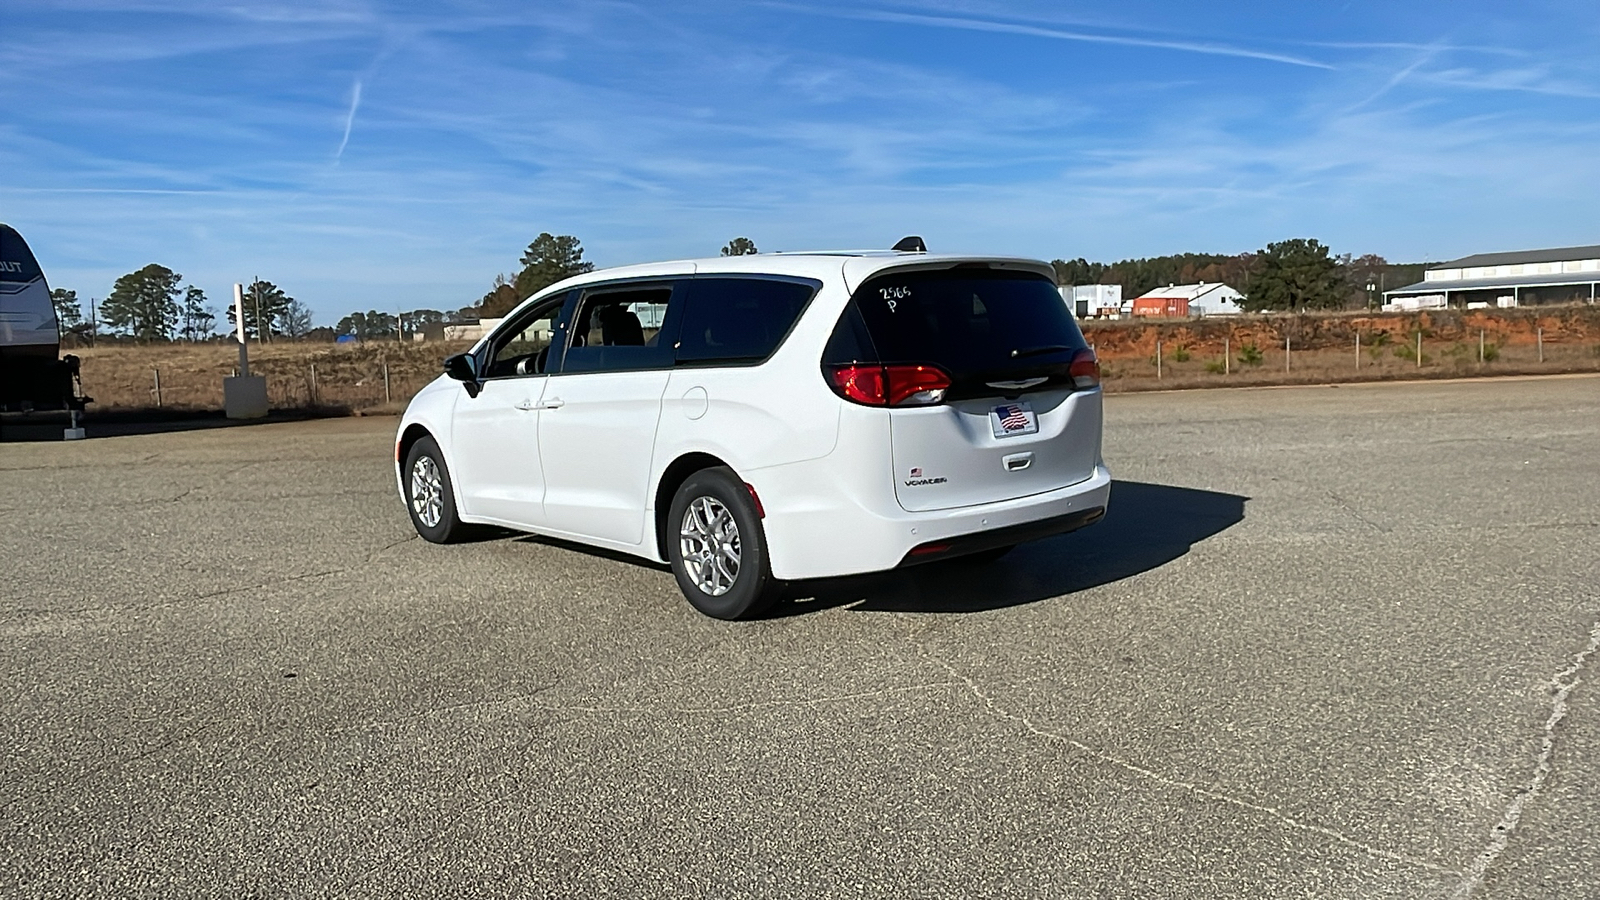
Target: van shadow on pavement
pixel 1146 526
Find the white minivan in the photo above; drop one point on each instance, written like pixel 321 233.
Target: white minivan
pixel 752 420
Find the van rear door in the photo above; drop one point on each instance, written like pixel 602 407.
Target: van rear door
pixel 1019 412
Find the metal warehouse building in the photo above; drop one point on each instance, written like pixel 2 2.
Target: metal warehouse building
pixel 1522 278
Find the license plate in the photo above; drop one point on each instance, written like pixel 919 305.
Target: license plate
pixel 1013 420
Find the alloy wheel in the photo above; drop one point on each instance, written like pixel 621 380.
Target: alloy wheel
pixel 427 492
pixel 709 545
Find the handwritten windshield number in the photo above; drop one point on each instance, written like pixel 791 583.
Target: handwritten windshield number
pixel 893 294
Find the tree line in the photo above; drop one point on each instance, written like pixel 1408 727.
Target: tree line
pixel 1291 275
pixel 153 303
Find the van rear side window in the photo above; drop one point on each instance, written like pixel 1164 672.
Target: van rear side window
pixel 739 319
pixel 620 329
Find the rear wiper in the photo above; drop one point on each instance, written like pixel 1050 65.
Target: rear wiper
pixel 1035 351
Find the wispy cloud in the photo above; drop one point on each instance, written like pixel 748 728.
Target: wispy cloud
pixel 1399 77
pixel 655 131
pixel 1530 80
pixel 60 190
pixel 1414 45
pixel 349 121
pixel 1003 27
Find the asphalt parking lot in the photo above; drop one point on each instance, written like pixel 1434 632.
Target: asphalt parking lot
pixel 1329 642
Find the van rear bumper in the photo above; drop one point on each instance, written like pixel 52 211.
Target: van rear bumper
pixel 1010 536
pixel 817 527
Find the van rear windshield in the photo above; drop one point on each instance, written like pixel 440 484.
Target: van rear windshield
pixel 979 325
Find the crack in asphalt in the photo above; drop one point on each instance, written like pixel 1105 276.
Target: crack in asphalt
pixel 746 707
pixel 372 557
pixel 1561 685
pixel 1345 505
pixel 305 576
pixel 1189 787
pixel 449 708
pixel 128 760
pixel 223 477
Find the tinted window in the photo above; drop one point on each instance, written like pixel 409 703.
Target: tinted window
pixel 621 329
pixel 730 319
pixel 977 324
pixel 523 347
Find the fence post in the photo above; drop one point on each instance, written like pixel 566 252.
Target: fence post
pixel 1285 354
pixel 157 391
pixel 1227 355
pixel 1158 360
pixel 386 397
pixel 1480 346
pixel 313 384
pixel 1541 345
pixel 1419 348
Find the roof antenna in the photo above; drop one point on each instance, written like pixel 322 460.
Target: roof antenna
pixel 910 244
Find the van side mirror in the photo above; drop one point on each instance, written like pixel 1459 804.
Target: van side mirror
pixel 463 367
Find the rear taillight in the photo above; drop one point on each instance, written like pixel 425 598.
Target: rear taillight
pixel 890 385
pixel 916 385
pixel 1085 369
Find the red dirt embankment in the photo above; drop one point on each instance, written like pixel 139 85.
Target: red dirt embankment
pixel 1323 331
pixel 1321 347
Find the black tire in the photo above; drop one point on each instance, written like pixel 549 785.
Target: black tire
pixel 752 589
pixel 984 557
pixel 448 529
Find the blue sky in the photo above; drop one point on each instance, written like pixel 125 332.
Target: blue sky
pixel 395 156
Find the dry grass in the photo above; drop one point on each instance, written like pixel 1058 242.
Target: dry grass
pixel 350 377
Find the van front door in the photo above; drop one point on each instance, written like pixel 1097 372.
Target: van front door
pixel 597 424
pixel 495 439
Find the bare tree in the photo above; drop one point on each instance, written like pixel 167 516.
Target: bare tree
pixel 295 319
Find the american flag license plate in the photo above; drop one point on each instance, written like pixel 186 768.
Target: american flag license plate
pixel 1013 419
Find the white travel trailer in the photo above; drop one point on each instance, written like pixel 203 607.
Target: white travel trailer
pixel 31 375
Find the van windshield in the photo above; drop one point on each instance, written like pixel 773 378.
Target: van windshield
pixel 980 325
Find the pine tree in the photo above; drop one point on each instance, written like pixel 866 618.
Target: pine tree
pixel 547 260
pixel 264 306
pixel 197 317
pixel 740 246
pixel 144 303
pixel 1294 275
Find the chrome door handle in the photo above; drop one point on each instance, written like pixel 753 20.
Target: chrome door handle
pixel 553 403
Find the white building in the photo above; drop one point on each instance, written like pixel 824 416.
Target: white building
pixel 466 331
pixel 1203 299
pixel 1093 301
pixel 1520 278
